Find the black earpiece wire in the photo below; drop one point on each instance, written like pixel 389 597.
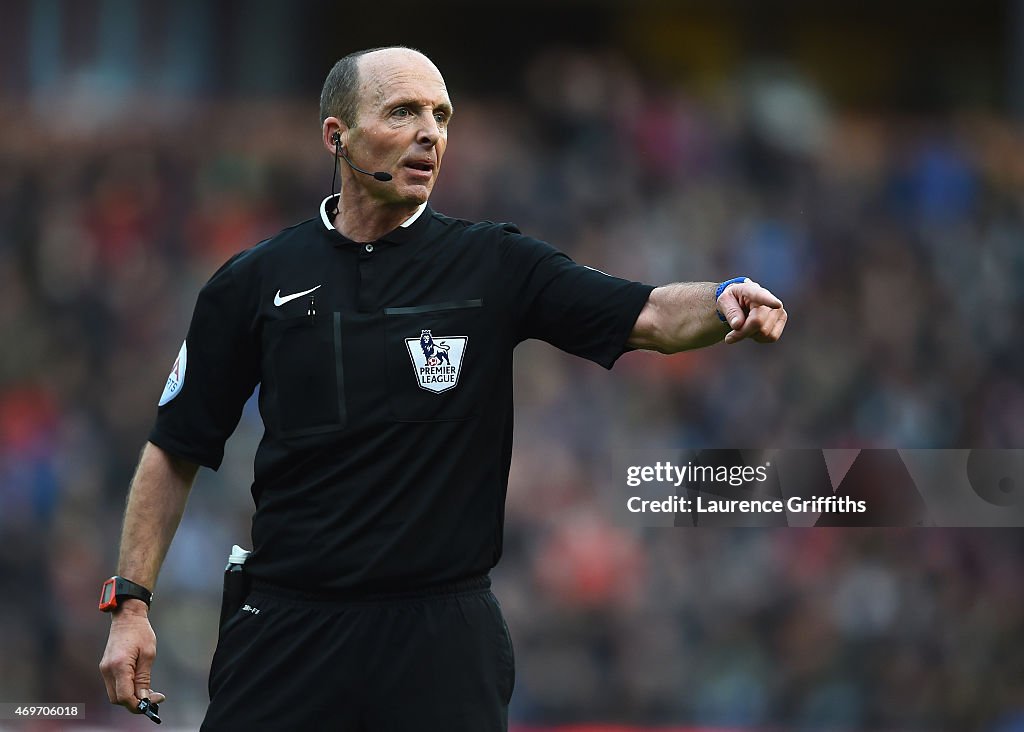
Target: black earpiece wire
pixel 334 177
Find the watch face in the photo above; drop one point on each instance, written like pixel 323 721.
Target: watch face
pixel 107 593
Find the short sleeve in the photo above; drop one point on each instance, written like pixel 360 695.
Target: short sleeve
pixel 215 373
pixel 578 309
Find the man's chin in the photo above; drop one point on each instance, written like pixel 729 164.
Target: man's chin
pixel 415 193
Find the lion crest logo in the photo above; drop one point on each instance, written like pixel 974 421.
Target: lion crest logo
pixel 436 361
pixel 435 353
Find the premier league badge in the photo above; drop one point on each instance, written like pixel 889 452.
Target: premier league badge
pixel 176 378
pixel 436 361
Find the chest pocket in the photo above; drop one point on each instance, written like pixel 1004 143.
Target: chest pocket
pixel 306 381
pixel 434 353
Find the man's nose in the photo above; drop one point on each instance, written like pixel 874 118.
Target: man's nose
pixel 429 132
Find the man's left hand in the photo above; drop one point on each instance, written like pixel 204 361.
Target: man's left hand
pixel 752 312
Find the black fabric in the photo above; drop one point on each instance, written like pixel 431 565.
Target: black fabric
pixel 378 468
pixel 219 378
pixel 439 662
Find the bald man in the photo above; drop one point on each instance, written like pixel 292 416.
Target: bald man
pixel 381 334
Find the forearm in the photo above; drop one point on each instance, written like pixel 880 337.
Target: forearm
pixel 156 503
pixel 679 317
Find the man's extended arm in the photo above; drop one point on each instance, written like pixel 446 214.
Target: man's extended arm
pixel 682 316
pixel 156 503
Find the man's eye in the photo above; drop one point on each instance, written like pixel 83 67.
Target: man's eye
pixel 401 112
pixel 441 118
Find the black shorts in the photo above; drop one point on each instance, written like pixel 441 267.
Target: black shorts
pixel 437 660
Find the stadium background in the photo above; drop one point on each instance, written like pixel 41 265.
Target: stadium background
pixel 866 164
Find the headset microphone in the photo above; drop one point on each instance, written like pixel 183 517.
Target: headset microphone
pixel 379 175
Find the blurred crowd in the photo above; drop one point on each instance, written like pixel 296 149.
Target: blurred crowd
pixel 894 240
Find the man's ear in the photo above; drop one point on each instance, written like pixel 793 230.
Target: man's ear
pixel 335 134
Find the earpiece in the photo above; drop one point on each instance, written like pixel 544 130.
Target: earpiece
pixel 336 138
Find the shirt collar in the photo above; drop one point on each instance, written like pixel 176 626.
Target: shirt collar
pixel 330 227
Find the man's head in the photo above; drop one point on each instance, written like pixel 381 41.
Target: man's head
pixel 390 108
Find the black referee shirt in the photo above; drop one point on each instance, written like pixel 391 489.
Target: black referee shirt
pixel 385 373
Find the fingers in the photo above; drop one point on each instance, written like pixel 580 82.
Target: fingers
pixel 757 295
pixel 780 325
pixel 737 300
pixel 124 688
pixel 730 306
pixel 752 312
pixel 763 324
pixel 141 679
pixel 117 674
pixel 128 661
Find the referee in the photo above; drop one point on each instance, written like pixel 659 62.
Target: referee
pixel 381 334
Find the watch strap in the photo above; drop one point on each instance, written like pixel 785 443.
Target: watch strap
pixel 117 589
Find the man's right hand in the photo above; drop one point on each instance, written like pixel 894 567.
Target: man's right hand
pixel 129 655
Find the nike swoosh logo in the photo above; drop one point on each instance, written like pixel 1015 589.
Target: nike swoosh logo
pixel 279 301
